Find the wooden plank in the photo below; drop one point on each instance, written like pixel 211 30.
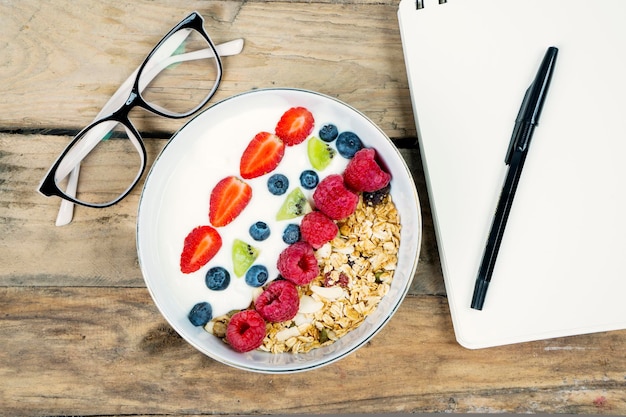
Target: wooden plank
pixel 80 334
pixel 66 58
pixel 98 247
pixel 107 351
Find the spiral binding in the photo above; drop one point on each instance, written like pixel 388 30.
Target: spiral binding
pixel 420 3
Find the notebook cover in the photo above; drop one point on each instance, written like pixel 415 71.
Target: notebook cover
pixel 561 268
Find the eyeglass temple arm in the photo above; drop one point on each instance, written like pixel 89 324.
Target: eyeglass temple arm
pixel 72 168
pixel 92 138
pixel 95 135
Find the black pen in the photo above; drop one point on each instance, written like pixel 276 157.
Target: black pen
pixel 525 123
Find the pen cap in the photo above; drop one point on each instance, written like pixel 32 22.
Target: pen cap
pixel 519 124
pixel 539 87
pixel 530 110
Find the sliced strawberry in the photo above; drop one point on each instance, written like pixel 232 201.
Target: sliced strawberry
pixel 295 125
pixel 201 244
pixel 229 197
pixel 263 154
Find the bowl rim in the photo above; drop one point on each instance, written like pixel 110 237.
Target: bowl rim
pixel 293 367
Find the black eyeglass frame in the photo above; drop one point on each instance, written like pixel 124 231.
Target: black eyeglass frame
pixel 48 186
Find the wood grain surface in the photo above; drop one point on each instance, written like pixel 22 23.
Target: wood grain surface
pixel 79 333
pixel 108 350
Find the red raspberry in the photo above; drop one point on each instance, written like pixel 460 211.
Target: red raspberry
pixel 332 198
pixel 245 331
pixel 297 263
pixel 279 302
pixel 317 229
pixel 364 174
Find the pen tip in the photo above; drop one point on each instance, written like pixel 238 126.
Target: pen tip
pixel 480 291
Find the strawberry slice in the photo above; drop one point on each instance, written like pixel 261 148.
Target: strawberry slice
pixel 201 244
pixel 229 197
pixel 295 125
pixel 263 154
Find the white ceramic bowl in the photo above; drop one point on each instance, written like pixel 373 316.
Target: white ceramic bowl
pixel 175 199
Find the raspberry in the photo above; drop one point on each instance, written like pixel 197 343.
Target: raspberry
pixel 279 302
pixel 297 263
pixel 363 172
pixel 317 229
pixel 245 331
pixel 332 198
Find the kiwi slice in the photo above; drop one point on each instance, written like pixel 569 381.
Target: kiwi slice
pixel 320 153
pixel 295 205
pixel 244 256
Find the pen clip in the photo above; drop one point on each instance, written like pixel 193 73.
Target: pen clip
pixel 519 123
pixel 528 115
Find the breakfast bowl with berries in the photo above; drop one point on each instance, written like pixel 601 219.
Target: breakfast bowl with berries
pixel 279 230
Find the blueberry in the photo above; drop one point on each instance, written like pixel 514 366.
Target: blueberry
pixel 291 234
pixel 200 314
pixel 217 278
pixel 309 179
pixel 376 197
pixel 277 184
pixel 348 144
pixel 256 276
pixel 259 231
pixel 328 133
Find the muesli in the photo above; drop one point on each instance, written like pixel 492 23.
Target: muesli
pixel 340 231
pixel 356 270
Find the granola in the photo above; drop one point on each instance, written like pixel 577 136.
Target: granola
pixel 357 268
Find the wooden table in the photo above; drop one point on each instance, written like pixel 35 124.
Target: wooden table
pixel 79 333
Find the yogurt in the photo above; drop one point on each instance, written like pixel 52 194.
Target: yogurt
pixel 188 191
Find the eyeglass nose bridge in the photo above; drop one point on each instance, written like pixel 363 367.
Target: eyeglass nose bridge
pixel 131 99
pixel 134 100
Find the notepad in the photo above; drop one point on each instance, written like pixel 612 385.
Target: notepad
pixel 561 269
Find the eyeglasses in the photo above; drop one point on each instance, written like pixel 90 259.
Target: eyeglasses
pixel 177 78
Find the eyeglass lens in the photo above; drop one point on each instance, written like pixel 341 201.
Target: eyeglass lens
pixel 179 82
pixel 111 160
pixel 178 78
